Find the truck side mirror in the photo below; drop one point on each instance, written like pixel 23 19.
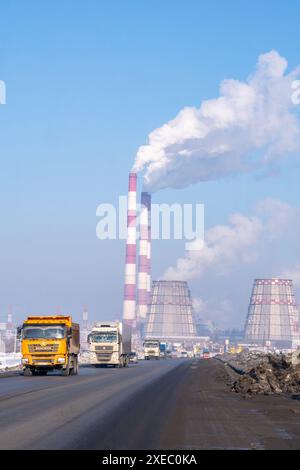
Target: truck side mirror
pixel 89 339
pixel 19 332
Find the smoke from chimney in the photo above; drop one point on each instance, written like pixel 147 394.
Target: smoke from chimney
pixel 248 128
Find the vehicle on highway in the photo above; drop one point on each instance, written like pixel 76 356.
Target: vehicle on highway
pixel 110 344
pixel 133 358
pixel 163 349
pixel 49 343
pixel 152 349
pixel 184 355
pixel 175 354
pixel 205 353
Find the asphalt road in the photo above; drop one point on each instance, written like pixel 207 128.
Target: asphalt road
pixel 171 404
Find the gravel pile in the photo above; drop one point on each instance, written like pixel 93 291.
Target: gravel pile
pixel 271 374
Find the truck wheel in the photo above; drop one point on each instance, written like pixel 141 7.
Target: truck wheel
pixel 27 372
pixel 66 371
pixel 74 370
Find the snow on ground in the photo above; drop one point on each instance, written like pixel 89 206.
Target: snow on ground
pixel 84 357
pixel 10 361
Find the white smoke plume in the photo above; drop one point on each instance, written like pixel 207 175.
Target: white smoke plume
pixel 229 246
pixel 249 127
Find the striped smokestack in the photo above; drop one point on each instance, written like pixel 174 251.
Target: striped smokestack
pixel 143 273
pixel 130 264
pixel 149 252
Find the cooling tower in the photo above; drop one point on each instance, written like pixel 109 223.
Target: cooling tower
pixel 273 317
pixel 171 313
pixel 130 263
pixel 143 270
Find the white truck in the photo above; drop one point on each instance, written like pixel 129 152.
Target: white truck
pixel 151 349
pixel 110 344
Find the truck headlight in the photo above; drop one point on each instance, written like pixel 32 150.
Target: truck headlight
pixel 25 360
pixel 61 360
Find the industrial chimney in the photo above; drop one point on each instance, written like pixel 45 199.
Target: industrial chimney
pixel 130 263
pixel 149 252
pixel 84 335
pixel 143 262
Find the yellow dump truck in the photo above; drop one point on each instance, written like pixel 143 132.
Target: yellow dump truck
pixel 49 343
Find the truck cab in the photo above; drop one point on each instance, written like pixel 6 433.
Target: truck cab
pixel 163 349
pixel 152 349
pixel 110 344
pixel 49 343
pixel 205 353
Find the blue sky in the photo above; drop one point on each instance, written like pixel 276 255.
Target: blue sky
pixel 86 83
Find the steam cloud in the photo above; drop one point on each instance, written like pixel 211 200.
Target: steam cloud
pixel 229 246
pixel 249 127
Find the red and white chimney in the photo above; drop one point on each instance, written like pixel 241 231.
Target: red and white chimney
pixel 129 305
pixel 143 262
pixel 149 252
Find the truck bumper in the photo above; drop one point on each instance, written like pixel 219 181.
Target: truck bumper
pixel 102 360
pixel 49 363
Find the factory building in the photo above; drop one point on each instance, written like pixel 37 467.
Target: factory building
pixel 273 317
pixel 171 312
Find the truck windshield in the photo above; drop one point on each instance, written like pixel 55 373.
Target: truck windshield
pixel 43 332
pixel 151 345
pixel 103 337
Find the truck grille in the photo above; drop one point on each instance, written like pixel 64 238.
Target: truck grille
pixel 104 348
pixel 104 357
pixel 51 348
pixel 42 361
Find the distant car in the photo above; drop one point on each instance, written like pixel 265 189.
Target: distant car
pixel 206 354
pixel 133 358
pixel 184 355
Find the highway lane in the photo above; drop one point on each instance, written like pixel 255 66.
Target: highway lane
pixel 55 412
pixel 172 404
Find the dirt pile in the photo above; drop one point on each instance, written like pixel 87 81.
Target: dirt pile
pixel 273 374
pixel 245 361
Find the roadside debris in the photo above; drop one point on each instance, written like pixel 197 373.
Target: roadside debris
pixel 268 374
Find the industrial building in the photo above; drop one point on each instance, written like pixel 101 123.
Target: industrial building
pixel 171 312
pixel 273 316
